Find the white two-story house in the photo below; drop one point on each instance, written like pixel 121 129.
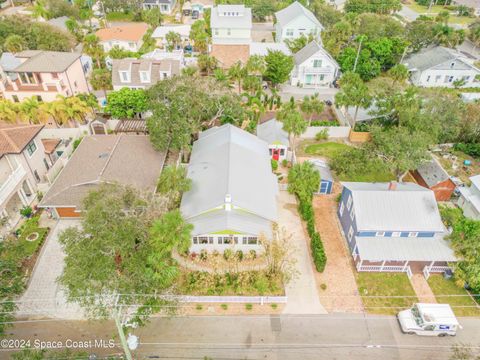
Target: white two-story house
pixel 165 6
pixel 23 164
pixel 294 21
pixel 231 33
pixel 314 67
pixel 441 67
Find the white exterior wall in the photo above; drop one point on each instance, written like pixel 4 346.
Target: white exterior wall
pixel 328 70
pixel 300 25
pixel 236 36
pixel 334 132
pixel 164 8
pixel 197 248
pixel 281 157
pixel 436 77
pixel 126 45
pixel 468 209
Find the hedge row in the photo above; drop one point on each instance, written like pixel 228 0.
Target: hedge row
pixel 472 149
pixel 305 209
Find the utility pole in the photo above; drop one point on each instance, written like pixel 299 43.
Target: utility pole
pixel 358 54
pixel 121 333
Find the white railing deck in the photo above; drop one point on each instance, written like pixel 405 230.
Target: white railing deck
pixel 427 270
pixel 380 268
pixel 11 183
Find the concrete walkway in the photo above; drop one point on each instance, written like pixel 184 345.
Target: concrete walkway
pixel 422 289
pixel 301 291
pixel 44 297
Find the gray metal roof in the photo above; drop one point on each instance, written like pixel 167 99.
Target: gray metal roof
pixel 292 11
pixel 309 50
pixel 323 169
pixel 410 207
pixel 272 132
pixel 227 161
pixel 8 61
pixel 407 248
pixel 46 61
pixel 242 21
pixel 432 172
pixel 432 57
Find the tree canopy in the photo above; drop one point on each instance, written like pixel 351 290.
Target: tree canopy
pixel 126 103
pixel 303 180
pixel 278 67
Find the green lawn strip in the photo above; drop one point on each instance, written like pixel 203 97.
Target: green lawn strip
pixel 385 284
pixel 119 16
pixel 326 149
pixel 442 286
pixel 251 283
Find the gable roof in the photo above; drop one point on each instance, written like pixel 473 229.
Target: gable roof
pixel 432 172
pixel 50 145
pixel 228 161
pixel 410 207
pixel 131 32
pixel 134 66
pixel 162 31
pixel 14 138
pixel 262 48
pixel 45 61
pixel 126 159
pixel 272 132
pixel 294 10
pixel 433 56
pixel 309 50
pixel 323 169
pixel 243 21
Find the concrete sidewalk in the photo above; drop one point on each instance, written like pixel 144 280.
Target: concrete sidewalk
pixel 301 291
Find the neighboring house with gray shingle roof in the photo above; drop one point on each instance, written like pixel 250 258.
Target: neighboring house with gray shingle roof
pixel 44 74
pixel 433 176
pixel 124 159
pixel 441 67
pixel 294 21
pixel 469 199
pixel 314 67
pixel 393 227
pixel 142 73
pixel 232 200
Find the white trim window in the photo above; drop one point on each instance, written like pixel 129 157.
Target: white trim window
pixel 144 76
pixel 396 234
pixel 124 76
pixel 413 234
pixel 350 234
pixel 352 214
pixel 341 208
pixel 349 202
pixel 31 148
pixel 289 32
pixel 380 233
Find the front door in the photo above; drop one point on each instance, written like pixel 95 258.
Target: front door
pixel 276 154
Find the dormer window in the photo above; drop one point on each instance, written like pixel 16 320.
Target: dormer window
pixel 124 76
pixel 452 64
pixel 144 76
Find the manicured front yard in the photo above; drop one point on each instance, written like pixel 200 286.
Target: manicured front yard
pixel 326 149
pixel 385 285
pixel 462 305
pixel 119 16
pixel 435 9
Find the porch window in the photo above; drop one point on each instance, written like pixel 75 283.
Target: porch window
pixel 350 233
pixel 396 234
pixel 252 240
pixel 380 233
pixel 289 32
pixel 317 63
pixel 341 208
pixel 352 214
pixel 413 234
pixel 349 202
pixel 195 240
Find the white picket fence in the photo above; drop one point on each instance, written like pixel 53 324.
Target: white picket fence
pixel 386 268
pixel 427 270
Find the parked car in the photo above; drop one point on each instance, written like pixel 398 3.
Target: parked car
pixel 429 320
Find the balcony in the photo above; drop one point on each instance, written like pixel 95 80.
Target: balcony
pixel 317 70
pixel 16 85
pixel 11 183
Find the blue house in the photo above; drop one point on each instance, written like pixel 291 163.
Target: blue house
pixel 394 227
pixel 326 177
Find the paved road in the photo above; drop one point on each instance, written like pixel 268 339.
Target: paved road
pixel 408 14
pixel 306 337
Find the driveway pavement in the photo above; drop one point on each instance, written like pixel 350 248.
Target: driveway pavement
pixel 341 292
pixel 301 291
pixel 44 297
pixel 408 14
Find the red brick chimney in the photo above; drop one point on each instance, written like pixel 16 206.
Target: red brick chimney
pixel 392 185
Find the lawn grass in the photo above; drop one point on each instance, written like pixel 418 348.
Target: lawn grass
pixel 435 9
pixel 442 286
pixel 385 284
pixel 119 16
pixel 326 149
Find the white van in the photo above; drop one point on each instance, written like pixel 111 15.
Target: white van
pixel 429 320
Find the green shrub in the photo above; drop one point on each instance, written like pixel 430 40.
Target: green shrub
pixel 224 306
pixel 323 286
pixel 228 254
pixel 318 252
pixel 472 149
pixel 274 306
pixel 285 163
pixel 239 255
pixel 253 254
pixel 261 285
pixel 248 307
pixel 76 143
pixel 322 135
pixel 311 226
pixel 325 123
pixel 274 164
pixel 203 255
pixel 215 253
pixel 26 211
pixel 451 216
pixel 199 307
pixel 306 210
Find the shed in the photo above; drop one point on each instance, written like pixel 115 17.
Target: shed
pixel 431 175
pixel 326 178
pixel 272 132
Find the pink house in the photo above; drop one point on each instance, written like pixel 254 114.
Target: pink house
pixel 44 74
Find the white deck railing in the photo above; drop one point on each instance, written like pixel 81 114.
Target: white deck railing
pixel 427 270
pixel 11 183
pixel 385 268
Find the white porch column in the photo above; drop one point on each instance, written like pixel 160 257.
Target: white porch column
pixel 405 266
pixel 383 264
pixel 23 197
pixel 359 265
pixel 431 266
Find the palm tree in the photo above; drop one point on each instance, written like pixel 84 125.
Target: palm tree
pixel 30 110
pixel 221 76
pixel 8 111
pixel 173 40
pixel 101 79
pixel 207 63
pixel 256 65
pixel 77 108
pixel 237 72
pixel 92 47
pixel 56 110
pixel 40 10
pixel 311 105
